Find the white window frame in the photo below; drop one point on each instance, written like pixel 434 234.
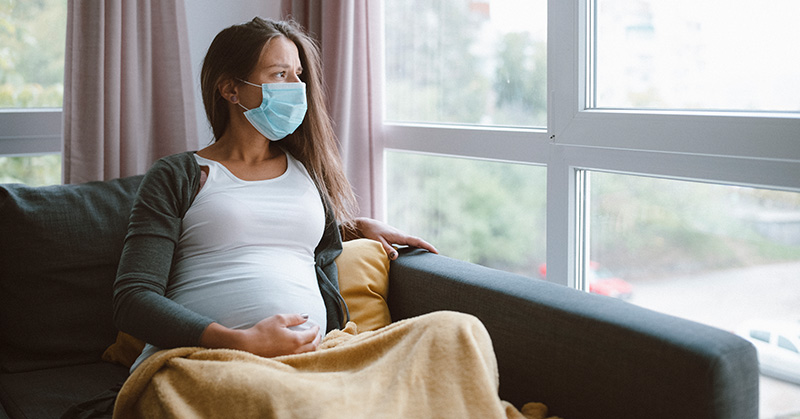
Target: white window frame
pixel 30 131
pixel 749 149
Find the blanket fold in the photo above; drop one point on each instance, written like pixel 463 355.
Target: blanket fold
pixel 440 365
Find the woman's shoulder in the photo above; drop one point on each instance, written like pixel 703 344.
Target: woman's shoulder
pixel 178 174
pixel 174 165
pixel 184 160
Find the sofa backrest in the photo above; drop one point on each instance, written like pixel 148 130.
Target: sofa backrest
pixel 59 250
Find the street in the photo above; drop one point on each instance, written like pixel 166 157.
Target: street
pixel 725 299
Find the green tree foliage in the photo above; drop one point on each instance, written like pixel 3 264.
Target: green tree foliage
pixel 521 83
pixel 32 39
pixel 445 64
pixel 431 73
pixel 443 67
pixel 31 170
pixel 645 227
pixel 491 213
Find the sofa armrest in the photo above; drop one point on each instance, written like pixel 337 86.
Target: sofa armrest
pixel 585 355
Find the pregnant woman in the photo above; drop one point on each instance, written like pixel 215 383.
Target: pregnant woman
pixel 233 247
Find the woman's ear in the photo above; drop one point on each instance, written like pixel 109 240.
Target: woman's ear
pixel 229 90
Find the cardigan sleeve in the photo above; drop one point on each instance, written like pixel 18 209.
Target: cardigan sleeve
pixel 328 249
pixel 140 305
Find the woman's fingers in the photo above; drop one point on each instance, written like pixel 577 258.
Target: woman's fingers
pixel 391 252
pixel 422 244
pixel 406 241
pixel 291 320
pixel 389 236
pixel 309 340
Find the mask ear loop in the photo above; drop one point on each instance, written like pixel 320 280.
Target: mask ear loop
pixel 233 98
pixel 247 82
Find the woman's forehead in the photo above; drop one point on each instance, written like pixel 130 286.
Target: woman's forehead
pixel 279 51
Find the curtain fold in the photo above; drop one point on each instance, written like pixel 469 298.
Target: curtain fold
pixel 347 33
pixel 128 96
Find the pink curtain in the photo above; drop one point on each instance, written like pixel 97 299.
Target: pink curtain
pixel 347 31
pixel 128 97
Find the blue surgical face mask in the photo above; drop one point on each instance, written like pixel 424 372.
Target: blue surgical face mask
pixel 282 109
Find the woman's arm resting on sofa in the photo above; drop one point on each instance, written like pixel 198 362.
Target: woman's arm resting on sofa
pixel 384 234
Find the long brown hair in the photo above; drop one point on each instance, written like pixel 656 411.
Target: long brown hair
pixel 234 54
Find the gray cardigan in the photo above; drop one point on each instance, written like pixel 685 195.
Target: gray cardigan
pixel 140 306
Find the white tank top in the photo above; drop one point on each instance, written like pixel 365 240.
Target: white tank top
pixel 246 250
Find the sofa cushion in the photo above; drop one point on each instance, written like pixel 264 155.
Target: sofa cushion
pixel 364 283
pixel 49 393
pixel 60 247
pixel 124 350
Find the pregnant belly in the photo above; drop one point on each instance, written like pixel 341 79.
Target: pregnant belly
pixel 240 292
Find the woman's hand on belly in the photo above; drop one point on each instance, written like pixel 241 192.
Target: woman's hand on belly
pixel 268 338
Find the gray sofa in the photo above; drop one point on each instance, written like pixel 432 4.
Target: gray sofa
pixel 585 356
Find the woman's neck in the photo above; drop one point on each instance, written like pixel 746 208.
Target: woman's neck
pixel 245 146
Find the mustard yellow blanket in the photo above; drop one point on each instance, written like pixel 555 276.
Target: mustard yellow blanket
pixel 439 365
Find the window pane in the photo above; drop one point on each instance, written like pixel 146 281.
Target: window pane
pixel 485 212
pixel 32 39
pixel 698 54
pixel 721 255
pixel 31 170
pixel 466 61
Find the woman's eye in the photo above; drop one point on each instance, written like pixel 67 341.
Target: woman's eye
pixel 282 74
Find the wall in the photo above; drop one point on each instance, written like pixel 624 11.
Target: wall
pixel 205 18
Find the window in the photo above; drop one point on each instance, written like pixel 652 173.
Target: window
pixel 720 255
pixel 717 254
pixel 472 74
pixel 486 212
pixel 32 39
pixel 33 36
pixel 692 54
pixel 466 62
pixel 640 97
pixel 36 170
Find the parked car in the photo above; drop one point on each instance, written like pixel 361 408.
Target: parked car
pixel 601 281
pixel 778 346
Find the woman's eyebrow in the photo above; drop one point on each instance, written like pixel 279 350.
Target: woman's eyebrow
pixel 283 65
